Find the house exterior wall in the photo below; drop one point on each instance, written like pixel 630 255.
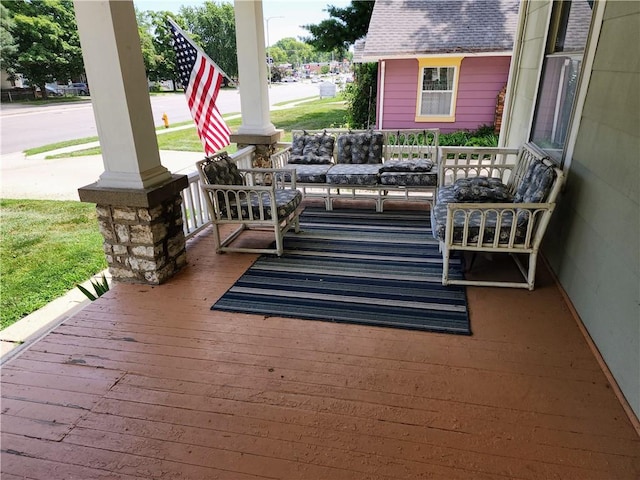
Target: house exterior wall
pixel 481 79
pixel 593 241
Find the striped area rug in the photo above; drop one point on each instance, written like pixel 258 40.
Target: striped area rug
pixel 355 266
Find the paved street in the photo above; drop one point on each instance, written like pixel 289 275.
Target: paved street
pixel 28 126
pixel 59 179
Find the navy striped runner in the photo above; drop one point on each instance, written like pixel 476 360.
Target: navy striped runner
pixel 355 266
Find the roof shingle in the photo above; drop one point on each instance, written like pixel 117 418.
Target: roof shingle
pixel 410 27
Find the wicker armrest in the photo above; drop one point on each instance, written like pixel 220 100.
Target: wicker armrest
pixel 281 157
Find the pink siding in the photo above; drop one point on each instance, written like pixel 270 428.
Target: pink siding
pixel 481 79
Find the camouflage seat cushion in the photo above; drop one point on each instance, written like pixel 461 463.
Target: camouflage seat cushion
pixel 447 195
pixel 309 173
pixel 407 165
pixel 349 174
pixel 286 202
pixel 409 179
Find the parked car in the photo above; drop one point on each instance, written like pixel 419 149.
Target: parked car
pixel 53 91
pixel 78 88
pixel 289 79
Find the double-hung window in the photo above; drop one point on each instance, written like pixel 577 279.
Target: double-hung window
pixel 437 89
pixel 560 76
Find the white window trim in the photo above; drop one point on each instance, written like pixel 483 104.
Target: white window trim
pixel 583 86
pixel 435 62
pixel 583 82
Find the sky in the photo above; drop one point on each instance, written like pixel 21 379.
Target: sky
pixel 286 15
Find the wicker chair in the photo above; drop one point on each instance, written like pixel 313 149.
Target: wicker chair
pixel 494 200
pixel 249 199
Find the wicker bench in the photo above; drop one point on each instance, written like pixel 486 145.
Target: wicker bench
pixel 377 165
pixel 494 200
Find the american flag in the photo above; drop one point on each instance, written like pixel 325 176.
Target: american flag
pixel 201 78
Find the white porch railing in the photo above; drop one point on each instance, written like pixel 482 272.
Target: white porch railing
pixel 195 216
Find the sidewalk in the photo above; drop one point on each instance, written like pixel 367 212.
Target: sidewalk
pixel 37 178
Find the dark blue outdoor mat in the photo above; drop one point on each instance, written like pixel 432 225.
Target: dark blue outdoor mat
pixel 356 266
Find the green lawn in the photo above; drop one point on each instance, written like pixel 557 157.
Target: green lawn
pixel 46 249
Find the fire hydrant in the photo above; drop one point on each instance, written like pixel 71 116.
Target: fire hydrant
pixel 165 119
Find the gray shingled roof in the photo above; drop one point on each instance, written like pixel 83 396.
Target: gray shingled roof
pixel 410 27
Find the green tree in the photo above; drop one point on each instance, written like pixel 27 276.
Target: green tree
pixel 345 26
pixel 295 51
pixel 338 33
pixel 278 55
pixel 46 35
pixel 165 65
pixel 146 43
pixel 8 47
pixel 157 44
pixel 214 27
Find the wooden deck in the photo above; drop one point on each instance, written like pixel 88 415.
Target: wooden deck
pixel 148 383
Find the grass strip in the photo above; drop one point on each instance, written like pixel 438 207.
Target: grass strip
pixel 47 247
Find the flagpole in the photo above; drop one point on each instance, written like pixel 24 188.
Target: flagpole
pixel 175 25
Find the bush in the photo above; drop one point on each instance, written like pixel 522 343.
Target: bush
pixel 484 136
pixel 361 96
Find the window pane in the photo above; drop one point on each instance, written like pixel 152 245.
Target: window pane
pixel 560 75
pixel 555 101
pixel 438 78
pixel 436 103
pixel 574 27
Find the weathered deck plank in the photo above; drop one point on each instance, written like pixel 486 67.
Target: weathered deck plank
pixel 147 382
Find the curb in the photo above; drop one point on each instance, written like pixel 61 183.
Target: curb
pixel 28 330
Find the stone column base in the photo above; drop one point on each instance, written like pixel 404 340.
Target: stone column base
pixel 142 230
pixel 265 146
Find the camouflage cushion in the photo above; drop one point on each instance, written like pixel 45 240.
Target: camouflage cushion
pixel 481 189
pixel 439 221
pixel 311 149
pixel 286 202
pixel 310 173
pixel 402 165
pixel 223 171
pixel 347 174
pixel 409 179
pixel 360 148
pixel 536 184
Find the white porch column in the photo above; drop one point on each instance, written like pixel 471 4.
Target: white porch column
pixel 252 69
pixel 119 93
pixel 137 200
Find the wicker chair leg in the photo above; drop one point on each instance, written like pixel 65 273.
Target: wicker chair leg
pixel 445 265
pixel 216 238
pixel 531 277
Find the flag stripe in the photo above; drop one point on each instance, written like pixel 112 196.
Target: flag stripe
pixel 202 80
pixel 200 103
